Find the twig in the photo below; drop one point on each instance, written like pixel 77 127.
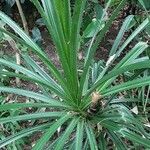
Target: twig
pixel 24 22
pixel 25 26
pixel 18 60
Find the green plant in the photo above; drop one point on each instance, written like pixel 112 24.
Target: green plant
pixel 80 113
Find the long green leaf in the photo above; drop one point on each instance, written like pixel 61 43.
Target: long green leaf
pixel 40 71
pixel 34 47
pixel 13 106
pixel 75 40
pixel 129 58
pixel 117 140
pixel 79 135
pixel 36 81
pixel 136 138
pixel 91 137
pixel 68 131
pixel 98 40
pixel 126 86
pixel 119 37
pixel 133 54
pixel 102 141
pixel 115 46
pixel 141 27
pixel 22 134
pixel 36 96
pixel 116 72
pixel 19 68
pixel 57 33
pixel 31 116
pixel 64 12
pixel 47 135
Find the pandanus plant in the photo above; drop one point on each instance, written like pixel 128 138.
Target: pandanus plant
pixel 83 107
